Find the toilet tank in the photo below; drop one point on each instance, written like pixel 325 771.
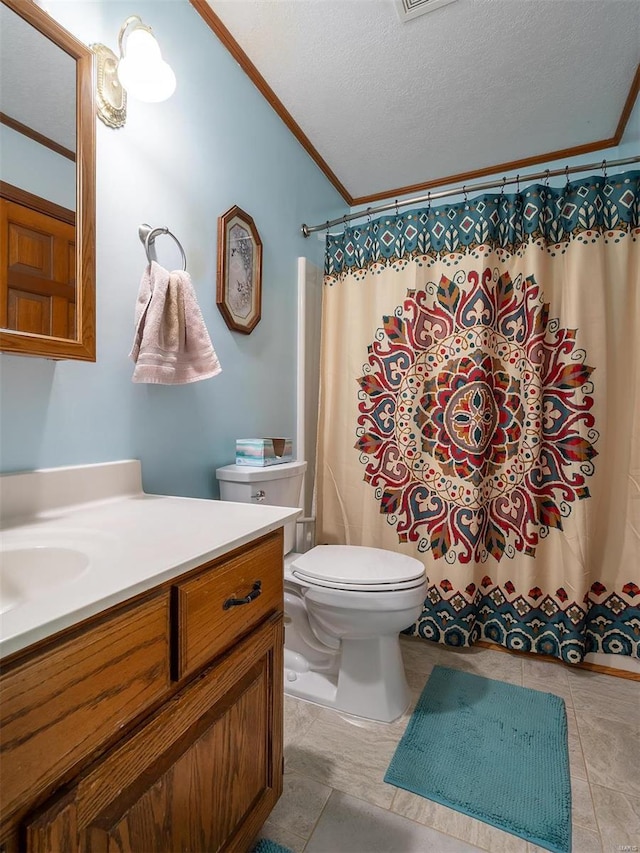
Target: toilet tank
pixel 279 485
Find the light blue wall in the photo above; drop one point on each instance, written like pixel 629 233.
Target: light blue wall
pixel 36 169
pixel 181 163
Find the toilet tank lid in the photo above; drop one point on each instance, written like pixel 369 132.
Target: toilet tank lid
pixel 351 564
pixel 254 474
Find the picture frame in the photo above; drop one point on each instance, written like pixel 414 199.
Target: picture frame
pixel 239 285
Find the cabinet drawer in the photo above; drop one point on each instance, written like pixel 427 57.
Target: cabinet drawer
pixel 65 702
pixel 204 622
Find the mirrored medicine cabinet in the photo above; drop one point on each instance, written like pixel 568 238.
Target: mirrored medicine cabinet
pixel 47 187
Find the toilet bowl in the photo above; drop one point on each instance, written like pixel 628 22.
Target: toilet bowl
pixel 345 606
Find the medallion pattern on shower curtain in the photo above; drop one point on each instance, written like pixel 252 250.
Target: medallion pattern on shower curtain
pixel 475 422
pixel 475 418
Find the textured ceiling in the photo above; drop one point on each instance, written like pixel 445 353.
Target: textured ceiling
pixel 473 84
pixel 38 80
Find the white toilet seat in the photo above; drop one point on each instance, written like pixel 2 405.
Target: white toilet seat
pixel 354 568
pixel 363 587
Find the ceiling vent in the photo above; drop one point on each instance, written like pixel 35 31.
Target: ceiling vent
pixel 408 9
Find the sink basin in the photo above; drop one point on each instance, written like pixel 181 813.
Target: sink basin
pixel 30 572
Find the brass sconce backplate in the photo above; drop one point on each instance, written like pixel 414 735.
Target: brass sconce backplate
pixel 111 98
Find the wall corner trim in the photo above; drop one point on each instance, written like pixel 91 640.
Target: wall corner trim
pixel 214 22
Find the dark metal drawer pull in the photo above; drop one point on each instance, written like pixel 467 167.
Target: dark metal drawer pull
pixel 235 602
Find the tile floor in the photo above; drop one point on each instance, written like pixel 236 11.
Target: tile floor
pixel 335 800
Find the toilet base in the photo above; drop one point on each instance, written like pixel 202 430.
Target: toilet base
pixel 370 682
pixel 316 687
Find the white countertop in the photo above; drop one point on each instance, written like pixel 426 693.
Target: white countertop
pixel 134 542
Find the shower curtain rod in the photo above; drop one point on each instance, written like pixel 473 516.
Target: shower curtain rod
pixel 465 189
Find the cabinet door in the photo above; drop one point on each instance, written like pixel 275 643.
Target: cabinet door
pixel 202 774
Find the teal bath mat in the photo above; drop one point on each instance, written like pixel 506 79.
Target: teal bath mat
pixel 491 750
pixel 267 846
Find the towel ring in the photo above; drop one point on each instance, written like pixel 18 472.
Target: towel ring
pixel 148 236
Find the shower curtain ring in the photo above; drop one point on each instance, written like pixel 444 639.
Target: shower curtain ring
pixel 604 170
pixel 504 181
pixel 566 174
pixel 429 201
pixel 546 178
pixel 368 216
pixel 466 196
pixel 397 211
pixel 518 184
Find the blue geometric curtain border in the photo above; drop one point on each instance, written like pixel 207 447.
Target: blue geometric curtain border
pixel 551 216
pixel 603 622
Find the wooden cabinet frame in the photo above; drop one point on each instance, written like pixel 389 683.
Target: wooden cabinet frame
pixel 113 806
pixel 102 750
pixel 83 347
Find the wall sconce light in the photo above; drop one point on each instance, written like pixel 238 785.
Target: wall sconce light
pixel 139 70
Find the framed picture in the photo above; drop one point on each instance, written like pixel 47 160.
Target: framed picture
pixel 239 289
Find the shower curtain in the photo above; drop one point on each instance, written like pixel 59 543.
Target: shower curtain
pixel 480 410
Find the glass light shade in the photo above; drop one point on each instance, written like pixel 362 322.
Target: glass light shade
pixel 142 71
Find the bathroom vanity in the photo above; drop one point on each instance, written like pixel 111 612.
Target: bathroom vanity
pixel 149 718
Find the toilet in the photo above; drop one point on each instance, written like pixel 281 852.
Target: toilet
pixel 345 606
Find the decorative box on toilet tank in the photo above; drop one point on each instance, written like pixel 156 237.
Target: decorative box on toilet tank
pixel 261 452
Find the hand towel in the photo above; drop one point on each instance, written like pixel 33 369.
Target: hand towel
pixel 171 345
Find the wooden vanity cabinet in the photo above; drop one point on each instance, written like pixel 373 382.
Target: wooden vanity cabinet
pixel 198 770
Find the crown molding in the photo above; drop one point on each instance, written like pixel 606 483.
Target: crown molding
pixel 514 165
pixel 25 130
pixel 209 16
pixel 502 168
pixel 628 107
pixel 35 202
